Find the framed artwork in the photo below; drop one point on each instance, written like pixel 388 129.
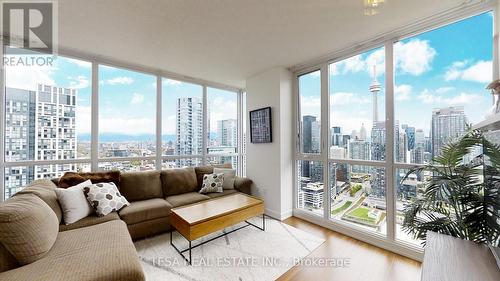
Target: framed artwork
pixel 261 126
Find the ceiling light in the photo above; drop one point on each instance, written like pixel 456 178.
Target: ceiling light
pixel 371 6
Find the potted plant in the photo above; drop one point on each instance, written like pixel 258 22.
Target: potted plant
pixel 461 196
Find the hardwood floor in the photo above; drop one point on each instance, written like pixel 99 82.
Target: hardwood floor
pixel 367 262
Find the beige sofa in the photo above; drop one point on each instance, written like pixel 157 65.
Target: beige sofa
pixel 97 248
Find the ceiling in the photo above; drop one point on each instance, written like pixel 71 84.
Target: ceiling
pixel 226 41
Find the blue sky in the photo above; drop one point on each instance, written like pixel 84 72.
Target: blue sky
pixel 448 66
pixel 127 99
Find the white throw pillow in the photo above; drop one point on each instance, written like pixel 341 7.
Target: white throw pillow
pixel 229 176
pixel 212 183
pixel 105 198
pixel 73 202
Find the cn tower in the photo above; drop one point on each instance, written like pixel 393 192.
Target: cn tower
pixel 375 89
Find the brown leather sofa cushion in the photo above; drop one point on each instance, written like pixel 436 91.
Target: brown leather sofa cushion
pixel 203 170
pixel 89 221
pixel 100 252
pixel 186 198
pixel 144 210
pixel 178 181
pixel 72 178
pixel 137 186
pixel 45 190
pixel 28 227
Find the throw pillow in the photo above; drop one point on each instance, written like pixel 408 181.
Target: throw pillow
pixel 73 202
pixel 229 176
pixel 104 198
pixel 212 183
pixel 72 178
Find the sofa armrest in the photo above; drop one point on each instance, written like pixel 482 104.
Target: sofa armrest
pixel 243 185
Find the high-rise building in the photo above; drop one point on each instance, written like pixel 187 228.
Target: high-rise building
pixel 410 135
pixel 310 134
pixel 189 129
pixel 227 132
pixel 40 125
pixel 337 139
pixel 447 125
pixel 359 150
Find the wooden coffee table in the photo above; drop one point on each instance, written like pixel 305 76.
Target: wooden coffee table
pixel 199 219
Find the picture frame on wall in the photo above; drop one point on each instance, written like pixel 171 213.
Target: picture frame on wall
pixel 261 126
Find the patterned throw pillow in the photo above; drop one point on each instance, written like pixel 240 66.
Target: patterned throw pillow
pixel 105 198
pixel 212 183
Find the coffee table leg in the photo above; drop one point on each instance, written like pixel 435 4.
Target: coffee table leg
pixel 263 228
pixel 189 252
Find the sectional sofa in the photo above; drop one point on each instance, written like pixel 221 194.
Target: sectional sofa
pixel 94 248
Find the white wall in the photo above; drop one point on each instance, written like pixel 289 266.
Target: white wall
pixel 270 165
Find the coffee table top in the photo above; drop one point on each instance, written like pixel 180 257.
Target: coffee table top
pixel 216 207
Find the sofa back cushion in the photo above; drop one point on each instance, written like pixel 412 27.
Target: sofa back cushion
pixel 72 178
pixel 45 189
pixel 204 170
pixel 178 181
pixel 136 186
pixel 28 227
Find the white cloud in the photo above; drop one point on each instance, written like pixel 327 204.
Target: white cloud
pixel 172 82
pixel 350 122
pixel 444 90
pixel 80 63
pixel 83 119
pixel 79 82
pixel 429 97
pixel 123 80
pixel 220 108
pixel 414 57
pixel 463 70
pixel 128 125
pixel 352 64
pixel 402 92
pixel 168 125
pixel 27 77
pixel 137 98
pixel 343 98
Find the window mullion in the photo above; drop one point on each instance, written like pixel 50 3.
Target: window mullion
pixel 389 124
pixel 159 109
pixel 2 125
pixel 205 127
pixel 325 143
pixel 94 146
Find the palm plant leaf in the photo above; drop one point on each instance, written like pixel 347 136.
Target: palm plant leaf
pixel 460 198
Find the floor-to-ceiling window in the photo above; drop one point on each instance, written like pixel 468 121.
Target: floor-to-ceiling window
pixel 384 119
pixel 222 131
pixel 47 108
pixel 309 167
pixel 440 81
pixel 127 119
pixel 358 141
pixel 140 123
pixel 182 124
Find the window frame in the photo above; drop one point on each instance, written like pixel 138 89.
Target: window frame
pixel 94 159
pixel 388 241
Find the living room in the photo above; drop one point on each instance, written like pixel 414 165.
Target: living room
pixel 247 140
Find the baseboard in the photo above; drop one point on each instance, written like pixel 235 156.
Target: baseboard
pixel 403 249
pixel 277 215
